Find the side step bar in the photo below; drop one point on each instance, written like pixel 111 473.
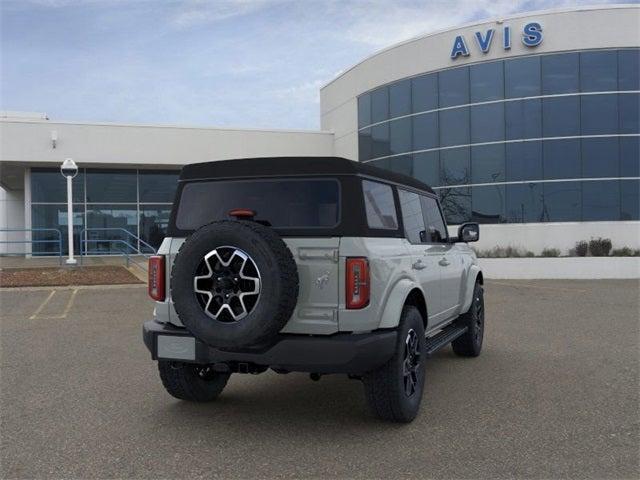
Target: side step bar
pixel 444 338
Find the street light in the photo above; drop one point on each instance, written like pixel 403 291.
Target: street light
pixel 69 169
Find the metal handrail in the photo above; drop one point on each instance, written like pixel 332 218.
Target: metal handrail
pixel 32 241
pixel 118 229
pixel 84 251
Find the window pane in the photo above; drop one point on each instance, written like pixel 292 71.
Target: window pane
pixel 487 81
pixel 425 131
pixel 562 201
pixel 454 127
pixel 117 219
pixel 630 197
pixel 400 132
pixel 487 164
pixel 488 204
pixel 379 205
pixel 412 215
pixel 365 147
pixel 523 119
pixel 600 201
pixel 436 230
pixel 400 98
pixel 364 110
pixel 560 73
pixel 600 157
pixel 454 166
pixel 630 156
pixel 112 186
pixel 153 224
pixel 561 159
pixel 524 203
pixel 599 71
pixel 523 161
pixel 158 186
pixel 629 69
pixel 54 217
pixel 599 114
pixel 522 77
pixel 561 116
pixel 453 87
pixel 629 113
pixel 424 92
pixel 456 204
pixel 49 186
pixel 487 123
pixel 426 167
pixel 402 164
pixel 379 104
pixel 380 140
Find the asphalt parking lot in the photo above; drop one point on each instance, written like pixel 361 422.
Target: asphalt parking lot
pixel 553 395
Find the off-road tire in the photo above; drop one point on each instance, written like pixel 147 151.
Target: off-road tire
pixel 470 343
pixel 194 383
pixel 385 386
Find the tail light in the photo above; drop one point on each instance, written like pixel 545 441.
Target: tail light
pixel 156 277
pixel 358 286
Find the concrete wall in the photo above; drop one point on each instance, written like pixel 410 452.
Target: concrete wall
pixel 11 217
pixel 582 268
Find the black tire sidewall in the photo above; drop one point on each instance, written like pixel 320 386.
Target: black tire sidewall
pixel 412 319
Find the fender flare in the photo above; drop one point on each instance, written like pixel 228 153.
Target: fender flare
pixel 474 271
pixel 390 317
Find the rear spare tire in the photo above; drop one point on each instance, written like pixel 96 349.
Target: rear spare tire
pixel 234 284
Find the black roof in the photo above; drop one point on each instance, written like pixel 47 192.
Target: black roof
pixel 292 166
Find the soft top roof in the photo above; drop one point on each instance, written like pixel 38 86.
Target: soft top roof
pixel 292 166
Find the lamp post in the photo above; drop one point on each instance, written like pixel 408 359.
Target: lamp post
pixel 69 169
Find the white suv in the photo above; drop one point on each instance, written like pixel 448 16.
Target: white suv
pixel 319 265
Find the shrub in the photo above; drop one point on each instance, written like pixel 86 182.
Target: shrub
pixel 625 252
pixel 550 252
pixel 581 249
pixel 600 247
pixel 504 252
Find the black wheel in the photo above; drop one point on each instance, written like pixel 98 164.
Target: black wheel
pixel 394 391
pixel 470 344
pixel 234 284
pixel 195 383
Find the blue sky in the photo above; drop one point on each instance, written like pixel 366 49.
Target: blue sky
pixel 237 63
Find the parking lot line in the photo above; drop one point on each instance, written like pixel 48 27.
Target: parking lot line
pixel 42 305
pixel 65 312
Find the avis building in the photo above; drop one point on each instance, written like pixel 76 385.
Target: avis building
pixel 528 124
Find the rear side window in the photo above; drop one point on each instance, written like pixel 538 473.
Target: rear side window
pixel 436 230
pixel 282 203
pixel 379 205
pixel 412 218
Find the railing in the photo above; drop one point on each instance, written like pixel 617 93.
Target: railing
pixel 131 245
pixel 31 241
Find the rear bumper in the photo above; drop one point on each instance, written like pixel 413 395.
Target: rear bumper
pixel 340 353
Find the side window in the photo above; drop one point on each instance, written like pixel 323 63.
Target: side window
pixel 436 230
pixel 412 217
pixel 379 205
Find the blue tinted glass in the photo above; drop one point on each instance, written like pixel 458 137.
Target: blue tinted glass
pixel 112 186
pixel 523 119
pixel 629 112
pixel 487 164
pixel 49 186
pixel 629 70
pixel 400 135
pixel 630 156
pixel 116 218
pixel 153 224
pixel 426 168
pixel 425 131
pixel 157 187
pixel 524 203
pixel 600 157
pixel 599 114
pixel 599 71
pixel 365 148
pixel 454 87
pixel 600 200
pixel 487 204
pixel 54 217
pixel 364 110
pixel 523 161
pixel 454 166
pixel 456 204
pixel 630 200
pixel 424 92
pixel 379 105
pixel 487 123
pixel 380 140
pixel 487 81
pixel 454 127
pixel 562 201
pixel 561 116
pixel 402 164
pixel 400 98
pixel 385 163
pixel 522 77
pixel 560 73
pixel 561 159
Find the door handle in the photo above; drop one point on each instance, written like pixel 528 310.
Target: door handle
pixel 444 262
pixel 418 265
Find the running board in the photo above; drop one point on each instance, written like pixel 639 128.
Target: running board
pixel 444 338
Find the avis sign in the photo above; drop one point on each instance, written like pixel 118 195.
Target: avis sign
pixel 531 37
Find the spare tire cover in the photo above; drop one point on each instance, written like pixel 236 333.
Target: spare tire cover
pixel 234 284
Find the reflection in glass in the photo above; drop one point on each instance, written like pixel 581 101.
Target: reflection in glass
pixel 600 200
pixel 522 77
pixel 524 203
pixel 49 186
pixel 157 187
pixel 380 140
pixel 456 204
pixel 488 204
pixel 599 114
pixel 561 159
pixel 55 216
pixel 402 164
pixel 453 87
pixel 364 110
pixel 487 164
pixel 629 69
pixel 112 186
pixel 599 71
pixel 454 166
pixel 400 98
pixel 379 104
pixel 560 73
pixel 630 156
pixel 400 135
pixel 600 157
pixel 154 220
pixel 523 161
pixel 561 116
pixel 425 131
pixel 426 167
pixel 412 218
pixel 116 218
pixel 365 151
pixel 523 119
pixel 487 123
pixel 454 127
pixel 630 200
pixel 487 81
pixel 562 201
pixel 629 113
pixel 424 92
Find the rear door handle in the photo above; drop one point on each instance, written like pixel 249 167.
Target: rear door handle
pixel 444 262
pixel 418 265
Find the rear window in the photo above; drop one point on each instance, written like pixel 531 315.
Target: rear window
pixel 283 203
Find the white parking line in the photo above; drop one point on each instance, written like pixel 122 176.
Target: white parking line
pixel 42 305
pixel 64 313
